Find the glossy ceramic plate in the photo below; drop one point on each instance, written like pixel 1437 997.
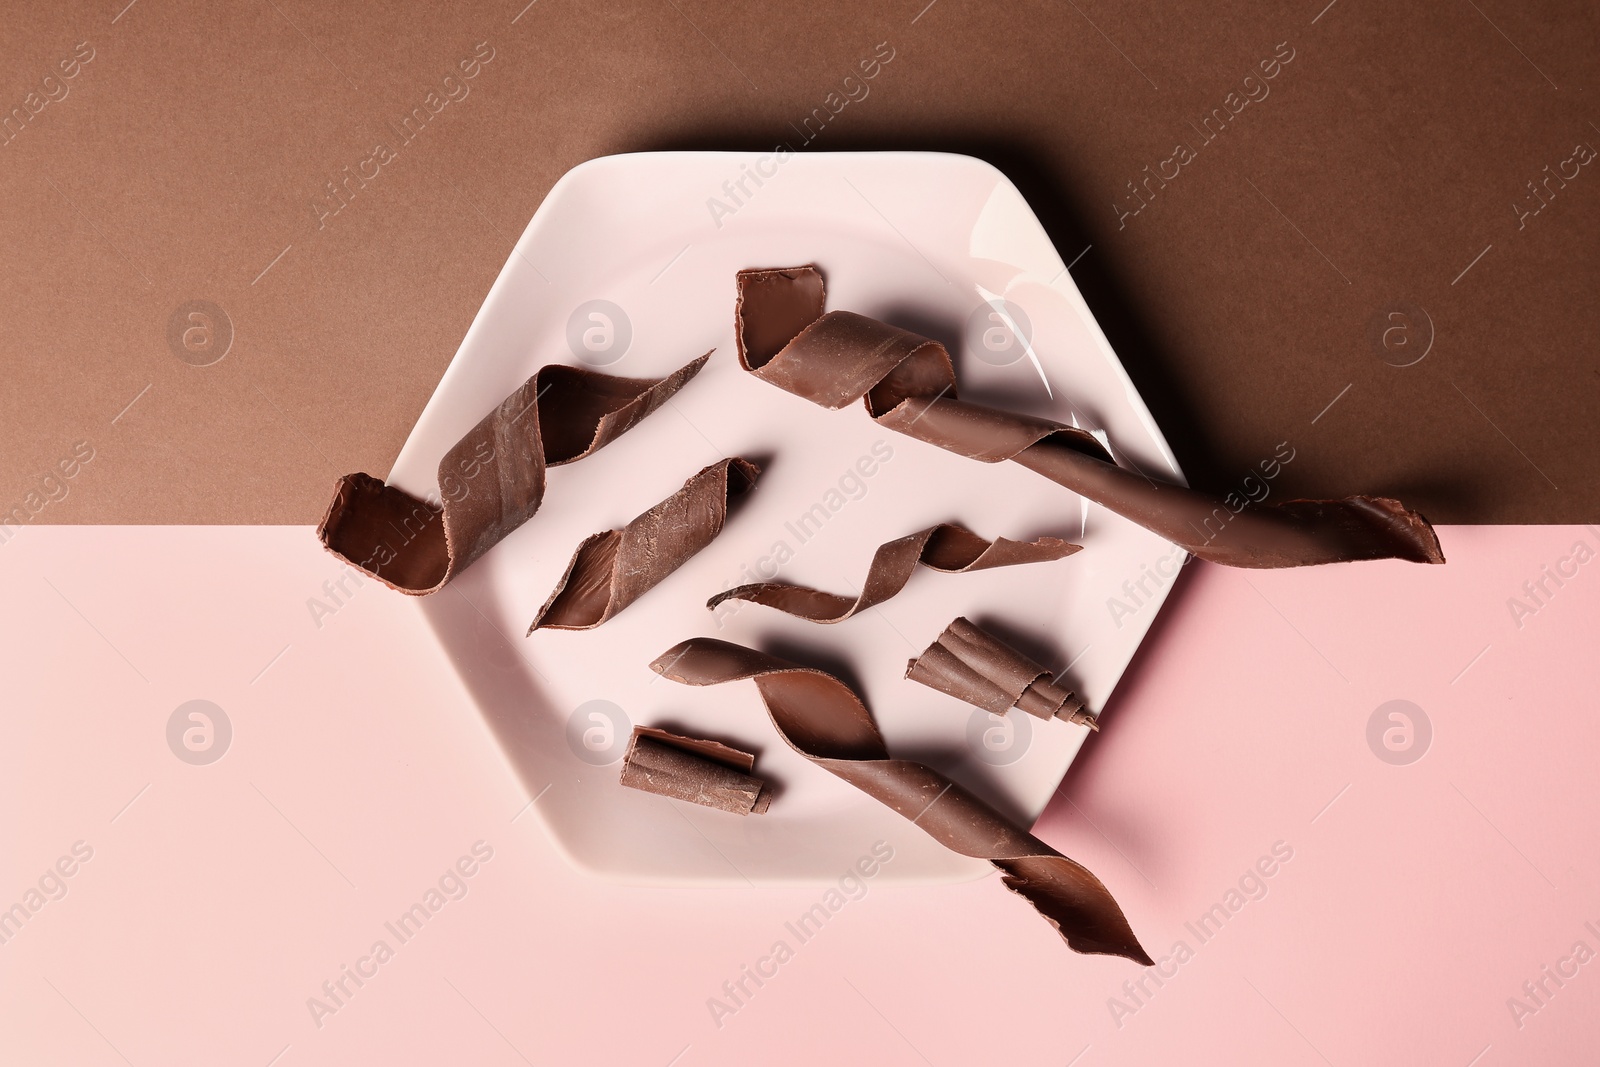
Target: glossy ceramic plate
pixel 628 266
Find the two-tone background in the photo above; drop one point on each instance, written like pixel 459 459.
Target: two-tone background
pixel 1383 251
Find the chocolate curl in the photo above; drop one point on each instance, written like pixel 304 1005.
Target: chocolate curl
pixel 908 384
pixel 611 570
pixel 702 772
pixel 971 664
pixel 491 481
pixel 822 719
pixel 946 547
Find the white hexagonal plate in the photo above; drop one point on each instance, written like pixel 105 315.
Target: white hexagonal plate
pixel 923 240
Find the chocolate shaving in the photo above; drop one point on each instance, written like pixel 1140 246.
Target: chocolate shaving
pixel 702 772
pixel 946 547
pixel 611 570
pixel 822 719
pixel 907 383
pixel 971 664
pixel 491 481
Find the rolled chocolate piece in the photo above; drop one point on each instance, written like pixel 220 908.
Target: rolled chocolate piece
pixel 702 772
pixel 491 481
pixel 971 664
pixel 946 547
pixel 611 570
pixel 821 718
pixel 907 383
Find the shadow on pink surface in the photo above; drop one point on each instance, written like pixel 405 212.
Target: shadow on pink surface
pixel 1349 811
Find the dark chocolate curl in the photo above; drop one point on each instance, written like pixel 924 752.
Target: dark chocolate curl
pixel 491 481
pixel 822 718
pixel 907 383
pixel 702 772
pixel 971 664
pixel 946 547
pixel 611 570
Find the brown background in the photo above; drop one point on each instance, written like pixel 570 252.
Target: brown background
pixel 184 160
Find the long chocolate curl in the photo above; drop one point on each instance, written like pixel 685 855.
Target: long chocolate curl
pixel 611 570
pixel 907 383
pixel 822 719
pixel 971 664
pixel 491 481
pixel 946 547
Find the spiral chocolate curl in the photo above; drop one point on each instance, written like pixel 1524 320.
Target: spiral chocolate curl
pixel 491 481
pixel 907 383
pixel 612 569
pixel 946 547
pixel 971 664
pixel 821 718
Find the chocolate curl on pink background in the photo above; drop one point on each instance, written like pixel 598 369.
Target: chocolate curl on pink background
pixel 492 480
pixel 821 718
pixel 971 664
pixel 908 384
pixel 612 569
pixel 946 547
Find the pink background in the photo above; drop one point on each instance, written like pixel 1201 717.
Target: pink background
pixel 218 898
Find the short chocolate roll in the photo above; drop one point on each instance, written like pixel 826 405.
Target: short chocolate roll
pixel 702 772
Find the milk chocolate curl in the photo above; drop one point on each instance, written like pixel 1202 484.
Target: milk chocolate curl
pixel 702 772
pixel 946 547
pixel 908 384
pixel 821 718
pixel 971 664
pixel 611 570
pixel 491 481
